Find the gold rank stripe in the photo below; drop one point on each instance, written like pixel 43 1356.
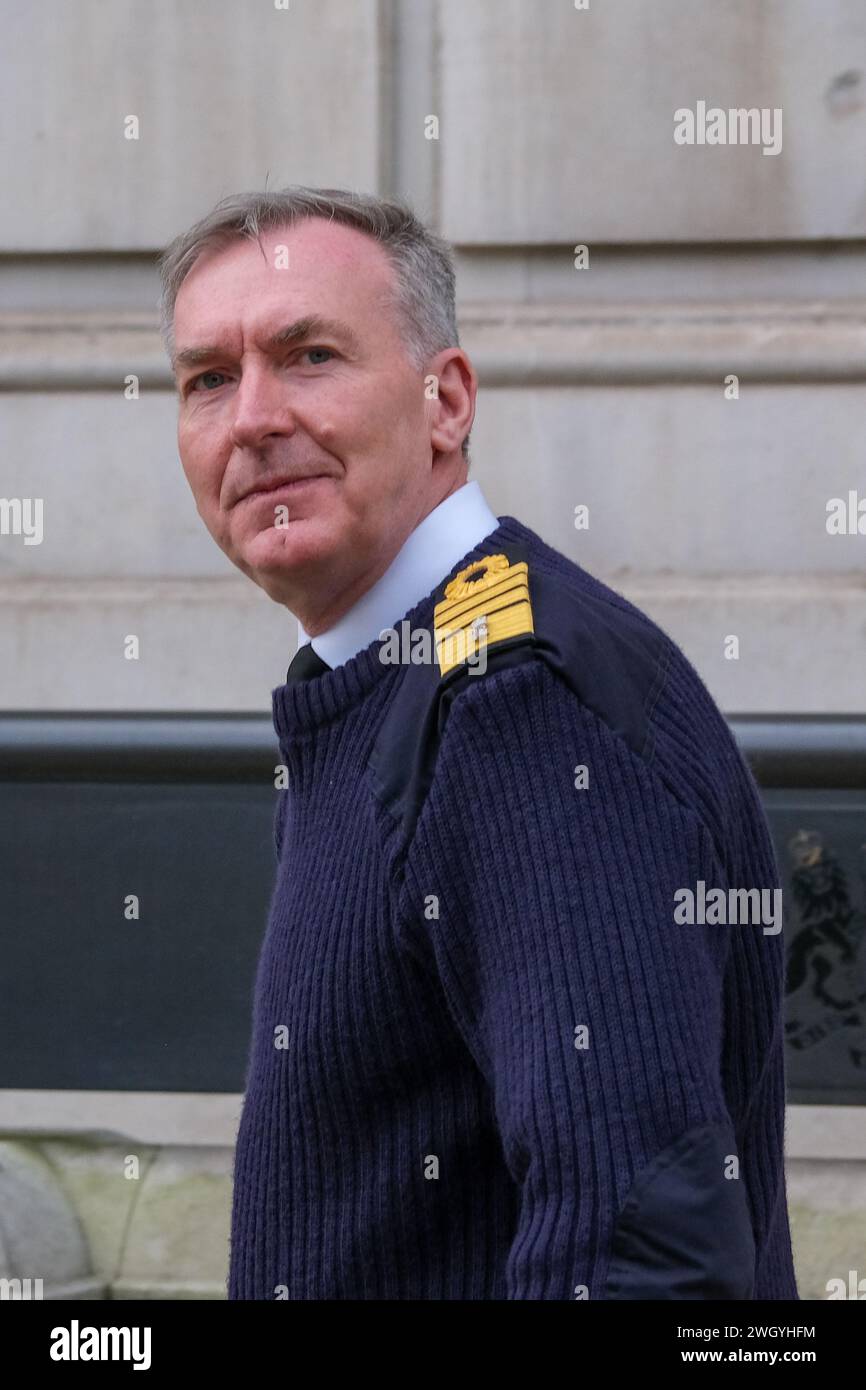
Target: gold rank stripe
pixel 486 604
pixel 452 610
pixel 454 646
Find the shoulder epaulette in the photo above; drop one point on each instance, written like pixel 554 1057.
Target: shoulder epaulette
pixel 498 612
pixel 486 604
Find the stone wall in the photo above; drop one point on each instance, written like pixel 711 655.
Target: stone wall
pixel 523 132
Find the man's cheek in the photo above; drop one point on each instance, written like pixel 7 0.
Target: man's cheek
pixel 205 491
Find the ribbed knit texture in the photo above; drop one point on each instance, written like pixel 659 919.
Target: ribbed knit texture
pixel 430 1130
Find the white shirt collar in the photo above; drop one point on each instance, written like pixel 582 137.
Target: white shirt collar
pixel 445 535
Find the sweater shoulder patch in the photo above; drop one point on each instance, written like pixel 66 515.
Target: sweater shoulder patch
pixel 684 1231
pixel 498 612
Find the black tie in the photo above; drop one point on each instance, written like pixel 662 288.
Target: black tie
pixel 306 664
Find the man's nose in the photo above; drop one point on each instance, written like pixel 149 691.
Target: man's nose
pixel 262 407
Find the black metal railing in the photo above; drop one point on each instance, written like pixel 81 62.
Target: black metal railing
pixel 169 816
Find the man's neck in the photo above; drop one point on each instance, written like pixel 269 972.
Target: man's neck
pixel 323 619
pixel 440 540
pixel 320 618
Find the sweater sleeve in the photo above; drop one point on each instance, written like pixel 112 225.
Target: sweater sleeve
pixel 543 897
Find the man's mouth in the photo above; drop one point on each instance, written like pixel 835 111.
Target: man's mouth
pixel 291 485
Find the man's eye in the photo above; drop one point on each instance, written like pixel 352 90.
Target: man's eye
pixel 202 377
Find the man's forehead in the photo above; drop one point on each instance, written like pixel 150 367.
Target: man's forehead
pixel 317 250
pixel 318 276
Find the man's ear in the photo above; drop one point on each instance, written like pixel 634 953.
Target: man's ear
pixel 451 386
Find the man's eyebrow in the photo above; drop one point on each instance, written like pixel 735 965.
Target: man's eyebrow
pixel 313 325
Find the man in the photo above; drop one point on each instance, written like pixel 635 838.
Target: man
pixel 490 1058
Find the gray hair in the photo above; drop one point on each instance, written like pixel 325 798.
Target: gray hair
pixel 423 264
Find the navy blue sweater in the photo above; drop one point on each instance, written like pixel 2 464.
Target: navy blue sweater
pixel 487 1061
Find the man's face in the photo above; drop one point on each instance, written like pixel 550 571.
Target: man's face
pixel 339 400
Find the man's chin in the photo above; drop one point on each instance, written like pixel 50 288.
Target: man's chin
pixel 279 552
